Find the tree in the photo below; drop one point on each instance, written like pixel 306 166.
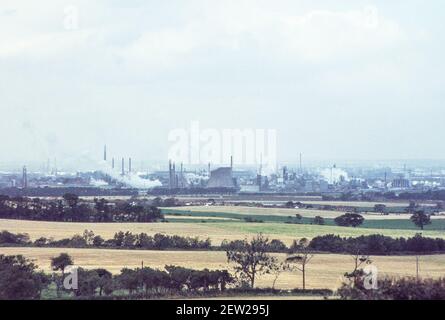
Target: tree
pixel 277 269
pixel 179 277
pixel 61 262
pixel 128 279
pixel 301 257
pixel 299 217
pixel 151 279
pixel 319 220
pixel 88 236
pixel 289 204
pixel 251 259
pixel 88 282
pixel 7 237
pixel 18 279
pixel 380 208
pixel 421 219
pixel 98 241
pixel 349 220
pixel 359 259
pixel 105 281
pixel 71 199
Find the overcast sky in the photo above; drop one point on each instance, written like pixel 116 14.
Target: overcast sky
pixel 336 79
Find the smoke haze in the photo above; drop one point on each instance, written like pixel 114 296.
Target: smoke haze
pixel 337 79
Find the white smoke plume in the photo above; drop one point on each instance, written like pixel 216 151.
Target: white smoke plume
pixel 334 175
pixel 193 178
pixel 98 183
pixel 130 179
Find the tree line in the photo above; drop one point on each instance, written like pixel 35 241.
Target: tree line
pixel 19 279
pixel 250 260
pixel 371 245
pixel 396 289
pixel 124 240
pixel 377 244
pixel 71 209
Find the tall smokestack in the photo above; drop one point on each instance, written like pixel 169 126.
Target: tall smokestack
pixel 129 164
pixel 181 175
pixel 55 166
pixel 259 177
pixel 301 163
pixel 231 162
pixel 170 174
pixel 105 152
pixel 112 163
pixel 123 166
pixel 175 180
pixel 25 178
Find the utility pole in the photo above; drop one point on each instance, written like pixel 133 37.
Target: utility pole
pixel 417 268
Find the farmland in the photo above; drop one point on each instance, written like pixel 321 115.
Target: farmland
pixel 283 215
pixel 216 231
pixel 324 271
pixel 220 223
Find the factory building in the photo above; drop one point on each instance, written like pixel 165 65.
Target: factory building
pixel 401 183
pixel 221 178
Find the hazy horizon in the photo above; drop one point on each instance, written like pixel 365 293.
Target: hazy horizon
pixel 350 80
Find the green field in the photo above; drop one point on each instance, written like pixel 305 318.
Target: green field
pixel 311 231
pixel 371 221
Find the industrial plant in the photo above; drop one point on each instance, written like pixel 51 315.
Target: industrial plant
pixel 120 177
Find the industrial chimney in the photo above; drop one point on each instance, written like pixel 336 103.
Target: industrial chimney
pixel 25 178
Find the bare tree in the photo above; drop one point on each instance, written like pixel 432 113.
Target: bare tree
pixel 251 258
pixel 301 257
pixel 277 269
pixel 359 259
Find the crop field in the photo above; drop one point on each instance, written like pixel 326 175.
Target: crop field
pixel 281 215
pixel 366 204
pixel 324 271
pixel 282 212
pixel 216 231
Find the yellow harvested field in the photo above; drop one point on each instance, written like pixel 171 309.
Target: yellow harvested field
pixel 216 231
pixel 324 271
pixel 60 230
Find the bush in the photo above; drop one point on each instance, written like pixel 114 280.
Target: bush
pixel 377 244
pixel 18 279
pixel 396 289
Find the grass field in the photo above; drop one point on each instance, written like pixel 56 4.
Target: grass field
pixel 324 271
pixel 282 212
pixel 280 215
